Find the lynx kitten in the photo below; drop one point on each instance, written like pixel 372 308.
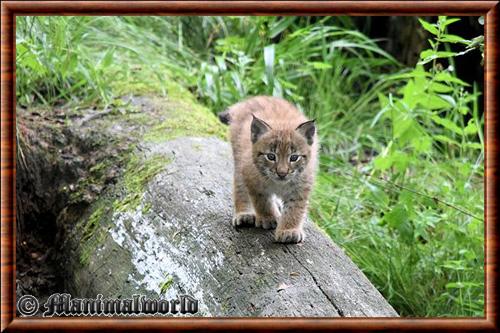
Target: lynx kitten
pixel 274 150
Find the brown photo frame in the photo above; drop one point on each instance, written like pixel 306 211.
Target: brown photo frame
pixel 11 9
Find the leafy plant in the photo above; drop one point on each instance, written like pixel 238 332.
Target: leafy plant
pixel 420 198
pixel 276 56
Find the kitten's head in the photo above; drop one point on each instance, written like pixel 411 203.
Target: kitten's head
pixel 281 155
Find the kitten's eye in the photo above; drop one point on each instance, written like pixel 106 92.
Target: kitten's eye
pixel 294 158
pixel 271 157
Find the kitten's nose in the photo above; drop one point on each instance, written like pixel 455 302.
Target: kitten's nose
pixel 282 175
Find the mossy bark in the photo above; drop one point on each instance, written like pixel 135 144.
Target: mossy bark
pixel 75 167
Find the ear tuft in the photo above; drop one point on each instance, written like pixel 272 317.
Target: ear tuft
pixel 307 130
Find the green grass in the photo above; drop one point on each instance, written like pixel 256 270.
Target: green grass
pixel 424 256
pixel 400 185
pixel 87 60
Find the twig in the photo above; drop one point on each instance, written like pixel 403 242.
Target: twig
pixel 436 199
pixel 460 209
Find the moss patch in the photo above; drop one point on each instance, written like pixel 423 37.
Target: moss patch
pixel 92 223
pixel 165 286
pixel 89 247
pixel 184 115
pixel 147 208
pixel 187 119
pixel 94 233
pixel 178 114
pixel 136 176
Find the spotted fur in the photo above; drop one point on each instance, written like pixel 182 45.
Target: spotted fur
pixel 271 190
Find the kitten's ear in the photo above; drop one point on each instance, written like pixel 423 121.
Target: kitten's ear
pixel 307 130
pixel 258 128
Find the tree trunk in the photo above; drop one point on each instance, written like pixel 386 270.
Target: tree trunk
pixel 162 227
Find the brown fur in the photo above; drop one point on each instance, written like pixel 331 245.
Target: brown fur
pixel 271 193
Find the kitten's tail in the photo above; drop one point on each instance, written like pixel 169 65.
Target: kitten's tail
pixel 224 117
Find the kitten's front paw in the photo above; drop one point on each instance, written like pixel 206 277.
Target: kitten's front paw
pixel 289 235
pixel 243 219
pixel 265 222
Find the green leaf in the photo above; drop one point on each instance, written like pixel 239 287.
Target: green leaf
pixel 221 63
pixel 107 59
pixel 383 100
pixel 238 84
pixel 446 139
pixel 433 102
pixel 471 128
pixel 449 21
pixel 280 26
pixel 448 124
pixel 457 265
pixel 400 160
pixel 269 56
pixel 397 216
pixel 21 49
pixel 449 99
pixel 230 44
pixel 454 285
pixel 436 55
pixel 427 53
pixel 269 64
pixel 463 109
pixel 460 285
pixel 382 162
pixel 412 93
pixel 319 65
pixel 447 77
pixel 474 145
pixel 413 74
pixel 448 38
pixel 439 87
pixel 26 58
pixel 445 54
pixel 378 196
pixel 403 125
pixel 69 65
pixel 429 27
pixel 469 255
pixel 422 143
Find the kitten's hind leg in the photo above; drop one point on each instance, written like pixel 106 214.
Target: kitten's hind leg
pixel 243 210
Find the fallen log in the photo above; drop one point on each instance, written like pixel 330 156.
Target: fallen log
pixel 163 229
